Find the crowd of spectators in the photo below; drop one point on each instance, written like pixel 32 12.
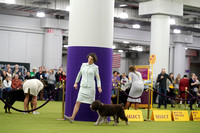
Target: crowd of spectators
pixel 166 84
pixel 13 79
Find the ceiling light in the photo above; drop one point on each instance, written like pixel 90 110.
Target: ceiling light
pixel 10 1
pixel 40 14
pixel 126 42
pixel 123 15
pixel 67 8
pixel 172 22
pixel 123 5
pixel 120 51
pixel 177 31
pixel 113 47
pixel 65 46
pixel 139 49
pixel 133 48
pixel 186 48
pixel 136 26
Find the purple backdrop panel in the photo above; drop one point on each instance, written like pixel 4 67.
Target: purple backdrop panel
pixel 76 56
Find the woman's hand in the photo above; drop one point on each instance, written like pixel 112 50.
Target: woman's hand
pixel 76 86
pixel 99 89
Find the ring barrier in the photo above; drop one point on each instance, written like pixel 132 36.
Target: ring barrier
pixel 131 96
pixel 193 98
pixel 32 109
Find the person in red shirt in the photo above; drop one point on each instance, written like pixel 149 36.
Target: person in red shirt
pixel 184 82
pixel 62 77
pixel 16 83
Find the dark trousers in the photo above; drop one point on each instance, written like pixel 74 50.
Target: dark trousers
pixel 162 99
pixel 48 91
pixel 154 96
pixel 192 101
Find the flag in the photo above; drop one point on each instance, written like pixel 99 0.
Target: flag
pixel 116 61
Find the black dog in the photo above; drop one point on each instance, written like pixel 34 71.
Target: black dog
pixel 105 110
pixel 12 96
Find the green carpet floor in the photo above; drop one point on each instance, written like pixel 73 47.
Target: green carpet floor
pixel 47 122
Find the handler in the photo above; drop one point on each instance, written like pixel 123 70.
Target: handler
pixel 32 87
pixel 87 87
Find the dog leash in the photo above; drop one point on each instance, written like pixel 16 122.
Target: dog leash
pixel 99 97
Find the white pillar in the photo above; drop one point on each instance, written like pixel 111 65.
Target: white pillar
pixel 90 30
pixel 179 59
pixel 160 31
pixel 91 23
pixel 160 28
pixel 171 59
pixel 52 57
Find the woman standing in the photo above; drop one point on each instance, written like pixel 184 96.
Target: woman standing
pixel 115 81
pixel 184 83
pixel 170 88
pixel 51 82
pixel 177 81
pixel 137 87
pixel 87 87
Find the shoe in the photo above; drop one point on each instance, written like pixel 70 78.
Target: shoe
pixel 36 113
pixel 158 107
pixel 199 106
pixel 173 106
pixel 191 109
pixel 165 107
pixel 25 112
pixel 69 119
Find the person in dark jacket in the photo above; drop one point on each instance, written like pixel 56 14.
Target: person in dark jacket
pixel 162 80
pixel 192 85
pixel 40 75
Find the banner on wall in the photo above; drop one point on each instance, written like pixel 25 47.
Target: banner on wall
pixel 144 70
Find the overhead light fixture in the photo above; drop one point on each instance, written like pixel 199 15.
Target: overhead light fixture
pixel 139 49
pixel 120 51
pixel 136 26
pixel 177 31
pixel 65 46
pixel 126 42
pixel 172 22
pixel 123 15
pixel 40 14
pixel 10 1
pixel 133 48
pixel 113 47
pixel 67 8
pixel 186 48
pixel 122 5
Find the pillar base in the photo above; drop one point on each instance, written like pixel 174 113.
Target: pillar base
pixel 76 56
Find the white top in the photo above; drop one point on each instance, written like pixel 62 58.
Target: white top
pixel 88 72
pixel 6 84
pixel 34 85
pixel 135 77
pixel 137 86
pixel 125 83
pixel 87 87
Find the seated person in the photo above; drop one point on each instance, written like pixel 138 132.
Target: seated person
pixel 6 86
pixel 16 83
pixel 28 76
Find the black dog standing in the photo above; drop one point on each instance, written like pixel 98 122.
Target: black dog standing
pixel 12 96
pixel 105 110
